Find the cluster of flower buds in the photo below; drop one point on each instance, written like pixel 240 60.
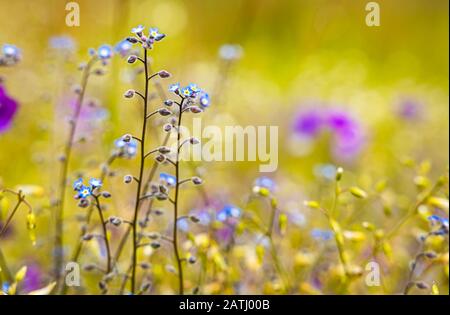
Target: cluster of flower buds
pixel 10 55
pixel 147 41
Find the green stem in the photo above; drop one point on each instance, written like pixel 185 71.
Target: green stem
pixel 59 212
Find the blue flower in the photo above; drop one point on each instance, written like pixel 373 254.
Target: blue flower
pixel 154 33
pixel 230 52
pixel 95 183
pixel 186 92
pixel 5 287
pixel 204 99
pixel 62 43
pixel 126 149
pixel 437 219
pixel 84 192
pixel 11 51
pixel 78 184
pixel 194 88
pixel 265 182
pixel 138 30
pixel 175 88
pixel 168 179
pixel 123 47
pixel 105 52
pixel 322 235
pixel 229 211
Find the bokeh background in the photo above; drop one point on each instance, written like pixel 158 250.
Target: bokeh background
pixel 299 58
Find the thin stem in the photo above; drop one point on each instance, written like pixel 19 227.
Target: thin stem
pixel 105 233
pixel 141 173
pixel 77 252
pixel 59 213
pixel 175 203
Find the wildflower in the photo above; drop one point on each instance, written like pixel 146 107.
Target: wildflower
pixel 11 52
pixel 175 88
pixel 230 52
pixel 229 211
pixel 126 149
pixel 84 192
pixel 8 109
pixel 105 52
pixel 95 183
pixel 409 109
pixel 435 219
pixel 186 92
pixel 33 279
pixel 204 99
pixel 308 123
pixel 123 47
pixel 78 184
pixel 138 30
pixel 170 180
pixel 321 235
pixel 347 134
pixel 194 88
pixel 155 34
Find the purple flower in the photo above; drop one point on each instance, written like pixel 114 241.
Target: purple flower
pixel 33 279
pixel 409 109
pixel 309 123
pixel 8 109
pixel 347 134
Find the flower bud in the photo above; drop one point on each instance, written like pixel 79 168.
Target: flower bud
pixel 88 237
pixel 196 180
pixel 163 74
pixel 164 150
pixel 132 40
pixel 127 179
pixel 194 140
pixel 168 102
pixel 167 127
pixel 195 109
pixel 127 137
pixel 129 94
pixel 164 112
pixel 132 59
pixel 106 194
pixel 194 219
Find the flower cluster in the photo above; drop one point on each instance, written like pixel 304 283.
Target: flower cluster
pixel 84 191
pixel 192 94
pixel 126 148
pixel 147 41
pixel 440 225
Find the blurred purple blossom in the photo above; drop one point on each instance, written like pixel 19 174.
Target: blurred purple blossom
pixel 409 109
pixel 33 279
pixel 347 133
pixel 8 109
